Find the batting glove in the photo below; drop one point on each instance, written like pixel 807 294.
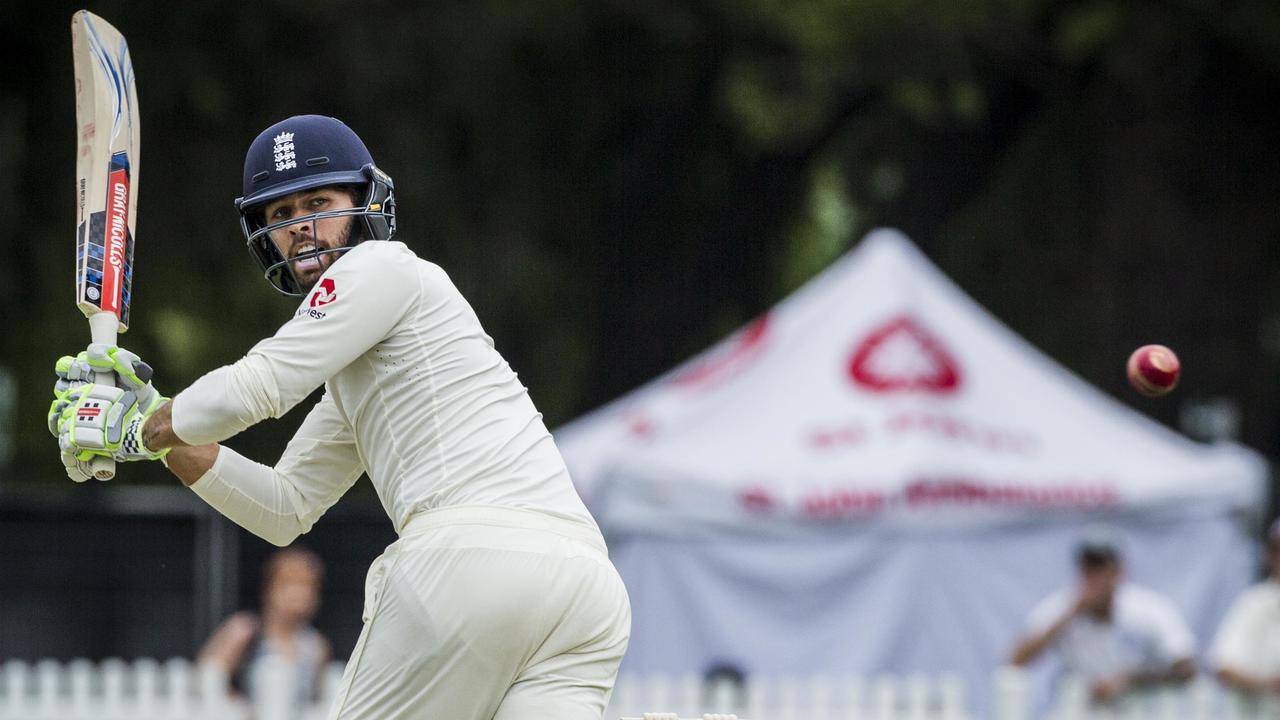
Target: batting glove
pixel 90 419
pixel 130 372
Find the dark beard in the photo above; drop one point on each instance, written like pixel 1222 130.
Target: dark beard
pixel 333 254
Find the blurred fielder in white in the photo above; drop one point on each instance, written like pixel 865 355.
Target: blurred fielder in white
pixel 1115 635
pixel 1246 650
pixel 498 600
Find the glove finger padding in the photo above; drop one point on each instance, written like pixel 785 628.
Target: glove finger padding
pixel 72 373
pixel 132 372
pixel 78 470
pixel 59 404
pixel 74 369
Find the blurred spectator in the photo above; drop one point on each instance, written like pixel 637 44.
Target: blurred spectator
pixel 1246 651
pixel 1111 634
pixel 282 634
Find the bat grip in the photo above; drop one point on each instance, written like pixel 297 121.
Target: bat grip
pixel 103 327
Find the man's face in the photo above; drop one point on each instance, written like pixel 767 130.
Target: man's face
pixel 1100 582
pixel 309 235
pixel 294 591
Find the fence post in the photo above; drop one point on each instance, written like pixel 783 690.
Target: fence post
pixel 17 676
pixel 80 674
pixel 820 693
pixel 852 698
pixel 212 685
pixel 885 698
pixel 790 705
pixel 1012 695
pixel 48 673
pixel 112 671
pixel 177 673
pixel 1073 700
pixel 953 698
pixel 146 683
pixel 688 692
pixel 917 696
pixel 273 696
pixel 757 693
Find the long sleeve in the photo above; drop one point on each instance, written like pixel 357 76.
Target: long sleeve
pixel 279 504
pixel 357 303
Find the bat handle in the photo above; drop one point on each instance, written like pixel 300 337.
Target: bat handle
pixel 103 327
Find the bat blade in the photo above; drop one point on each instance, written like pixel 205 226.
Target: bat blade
pixel 107 143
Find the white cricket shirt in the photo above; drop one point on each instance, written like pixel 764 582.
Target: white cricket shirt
pixel 1145 633
pixel 1248 639
pixel 415 395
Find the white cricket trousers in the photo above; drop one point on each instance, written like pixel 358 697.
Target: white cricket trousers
pixel 480 613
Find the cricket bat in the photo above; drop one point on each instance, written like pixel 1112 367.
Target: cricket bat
pixel 106 183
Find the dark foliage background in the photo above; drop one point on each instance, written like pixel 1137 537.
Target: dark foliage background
pixel 614 185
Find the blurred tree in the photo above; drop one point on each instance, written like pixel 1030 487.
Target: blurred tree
pixel 616 184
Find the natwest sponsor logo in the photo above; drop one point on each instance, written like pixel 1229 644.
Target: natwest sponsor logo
pixel 900 355
pixel 117 234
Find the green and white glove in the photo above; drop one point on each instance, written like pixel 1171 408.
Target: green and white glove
pixel 91 419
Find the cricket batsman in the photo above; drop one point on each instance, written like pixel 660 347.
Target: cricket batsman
pixel 498 600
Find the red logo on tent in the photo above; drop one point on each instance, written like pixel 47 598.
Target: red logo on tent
pixel 757 500
pixel 900 355
pixel 741 350
pixel 640 425
pixel 324 294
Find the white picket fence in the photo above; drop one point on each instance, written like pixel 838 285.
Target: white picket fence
pixel 794 698
pixel 916 698
pixel 176 690
pixel 148 690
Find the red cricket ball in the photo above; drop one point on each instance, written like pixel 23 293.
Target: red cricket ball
pixel 1153 370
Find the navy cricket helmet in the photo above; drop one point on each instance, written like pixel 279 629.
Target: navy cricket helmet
pixel 306 152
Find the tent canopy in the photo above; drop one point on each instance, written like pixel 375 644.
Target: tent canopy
pixel 880 390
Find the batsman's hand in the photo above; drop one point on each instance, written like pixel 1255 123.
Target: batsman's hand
pixel 90 419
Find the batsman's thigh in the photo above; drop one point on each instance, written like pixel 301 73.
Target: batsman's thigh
pixel 448 630
pixel 573 686
pixel 572 674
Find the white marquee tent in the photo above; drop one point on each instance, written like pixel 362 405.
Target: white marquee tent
pixel 878 476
